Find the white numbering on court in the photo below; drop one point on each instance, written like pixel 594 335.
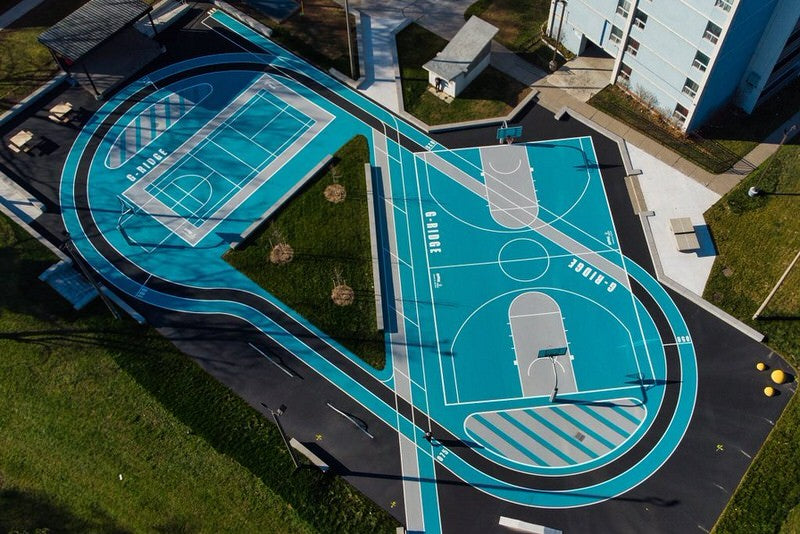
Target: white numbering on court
pixel 442 454
pixel 683 339
pixel 430 145
pixel 432 233
pixel 591 274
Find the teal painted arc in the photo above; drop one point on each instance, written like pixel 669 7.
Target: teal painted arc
pixel 180 272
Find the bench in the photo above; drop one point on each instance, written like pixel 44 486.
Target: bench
pixel 685 236
pixel 313 458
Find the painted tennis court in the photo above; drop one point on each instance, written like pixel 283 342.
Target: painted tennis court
pixel 516 323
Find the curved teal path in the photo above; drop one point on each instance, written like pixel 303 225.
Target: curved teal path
pixel 451 302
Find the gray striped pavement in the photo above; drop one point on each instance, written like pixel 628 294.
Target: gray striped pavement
pixel 568 434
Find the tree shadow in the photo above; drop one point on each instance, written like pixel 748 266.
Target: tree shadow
pixel 26 511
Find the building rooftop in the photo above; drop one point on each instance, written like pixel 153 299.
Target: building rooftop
pixel 83 30
pixel 462 49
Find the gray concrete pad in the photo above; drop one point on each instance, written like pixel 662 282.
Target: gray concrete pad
pixel 537 324
pixel 509 185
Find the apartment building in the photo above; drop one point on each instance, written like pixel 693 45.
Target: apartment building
pixel 690 56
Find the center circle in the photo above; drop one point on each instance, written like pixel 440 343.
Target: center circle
pixel 523 259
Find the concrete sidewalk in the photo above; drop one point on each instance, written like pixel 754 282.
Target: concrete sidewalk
pixel 381 76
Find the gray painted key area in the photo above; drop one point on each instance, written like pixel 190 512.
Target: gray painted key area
pixel 536 324
pixel 509 185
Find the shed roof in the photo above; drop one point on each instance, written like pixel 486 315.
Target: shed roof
pixel 85 28
pixel 462 49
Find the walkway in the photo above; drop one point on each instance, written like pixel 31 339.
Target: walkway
pixel 378 46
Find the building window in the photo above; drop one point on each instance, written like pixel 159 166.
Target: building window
pixel 623 7
pixel 690 88
pixel 725 5
pixel 712 32
pixel 624 72
pixel 639 19
pixel 616 35
pixel 680 114
pixel 633 47
pixel 701 61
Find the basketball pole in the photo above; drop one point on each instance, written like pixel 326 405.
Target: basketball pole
pixel 349 39
pixel 777 285
pixel 555 380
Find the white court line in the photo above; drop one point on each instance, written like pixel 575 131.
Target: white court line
pixel 215 171
pixel 411 265
pixel 188 194
pixel 401 260
pixel 519 164
pixel 622 324
pixel 273 104
pixel 454 373
pixel 389 156
pixel 625 270
pixel 222 148
pixel 411 380
pixel 549 256
pixel 288 111
pixel 535 314
pixel 393 307
pixel 556 217
pixel 514 208
pixel 508 400
pixel 256 143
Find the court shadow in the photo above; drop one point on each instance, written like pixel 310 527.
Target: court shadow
pixel 459 443
pixel 45 146
pixel 707 247
pixel 29 511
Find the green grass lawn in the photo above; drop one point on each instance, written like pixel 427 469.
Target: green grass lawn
pixel 491 94
pixel 756 240
pixel 325 236
pixel 24 63
pixel 520 23
pixel 86 399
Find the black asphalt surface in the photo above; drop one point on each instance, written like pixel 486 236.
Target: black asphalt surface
pixel 689 491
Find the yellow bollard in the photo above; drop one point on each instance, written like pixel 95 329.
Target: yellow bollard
pixel 769 391
pixel 761 366
pixel 778 376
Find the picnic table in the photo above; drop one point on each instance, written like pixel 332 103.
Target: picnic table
pixel 685 235
pixel 21 141
pixel 61 112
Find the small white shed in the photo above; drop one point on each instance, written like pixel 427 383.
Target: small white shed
pixel 452 70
